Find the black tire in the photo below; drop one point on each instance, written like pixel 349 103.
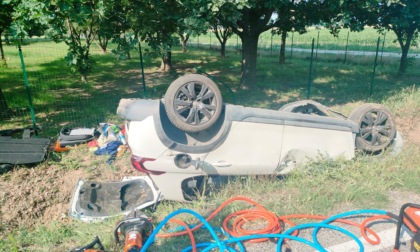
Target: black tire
pixel 5 168
pixel 193 103
pixel 377 127
pixel 305 107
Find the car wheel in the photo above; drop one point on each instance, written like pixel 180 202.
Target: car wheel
pixel 305 107
pixel 5 168
pixel 193 103
pixel 377 127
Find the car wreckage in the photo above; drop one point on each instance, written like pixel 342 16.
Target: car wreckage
pixel 190 138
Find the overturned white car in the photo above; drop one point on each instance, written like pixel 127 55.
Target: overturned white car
pixel 191 138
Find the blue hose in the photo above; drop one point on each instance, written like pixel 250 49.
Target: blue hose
pixel 222 245
pixel 343 215
pixel 278 236
pixel 206 244
pixel 318 225
pixel 170 216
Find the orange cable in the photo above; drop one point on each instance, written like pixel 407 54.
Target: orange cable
pixel 234 222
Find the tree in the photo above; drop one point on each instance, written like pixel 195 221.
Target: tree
pixel 188 26
pixel 221 24
pixel 254 19
pixel 400 16
pixel 155 21
pixel 222 34
pixel 248 19
pixel 6 18
pixel 75 23
pixel 110 25
pixel 295 16
pixel 287 20
pixel 105 30
pixel 404 20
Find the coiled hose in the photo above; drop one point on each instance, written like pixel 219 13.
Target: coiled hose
pixel 236 233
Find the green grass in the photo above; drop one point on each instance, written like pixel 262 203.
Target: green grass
pixel 58 94
pixel 60 98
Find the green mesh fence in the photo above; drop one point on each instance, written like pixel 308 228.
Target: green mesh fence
pixel 359 43
pixel 349 67
pixel 59 97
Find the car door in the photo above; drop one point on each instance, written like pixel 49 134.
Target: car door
pixel 251 147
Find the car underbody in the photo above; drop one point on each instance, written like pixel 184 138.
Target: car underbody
pixel 190 136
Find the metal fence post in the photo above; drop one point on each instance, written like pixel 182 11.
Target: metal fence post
pixel 210 41
pixel 374 67
pixel 310 70
pixel 28 91
pixel 383 45
pixel 291 47
pixel 317 46
pixel 237 42
pixel 271 46
pixel 347 46
pixel 142 71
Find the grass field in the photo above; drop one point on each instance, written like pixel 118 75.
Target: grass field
pixel 321 187
pixel 58 94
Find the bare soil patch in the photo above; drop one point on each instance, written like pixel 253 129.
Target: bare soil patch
pixel 42 194
pixel 411 130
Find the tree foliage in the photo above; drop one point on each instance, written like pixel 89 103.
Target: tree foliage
pixel 78 23
pixel 75 23
pixel 403 19
pixel 190 26
pixel 154 22
pixel 109 25
pixel 221 23
pixel 400 16
pixel 6 18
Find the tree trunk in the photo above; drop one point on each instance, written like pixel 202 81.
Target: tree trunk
pixel 184 46
pixel 282 58
pixel 403 61
pixel 128 47
pixel 2 58
pixel 405 47
pixel 253 22
pixel 184 41
pixel 249 59
pixel 6 38
pixel 223 50
pixel 102 43
pixel 166 63
pixel 222 35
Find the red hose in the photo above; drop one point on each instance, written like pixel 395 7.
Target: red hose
pixel 234 223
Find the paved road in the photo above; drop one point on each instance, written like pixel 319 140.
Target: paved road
pixel 335 242
pixel 366 53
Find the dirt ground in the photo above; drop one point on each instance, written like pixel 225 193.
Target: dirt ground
pixel 41 194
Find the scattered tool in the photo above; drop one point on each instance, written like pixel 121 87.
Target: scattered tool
pixel 19 147
pixel 91 247
pixel 410 217
pixel 72 137
pixel 139 232
pixel 136 229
